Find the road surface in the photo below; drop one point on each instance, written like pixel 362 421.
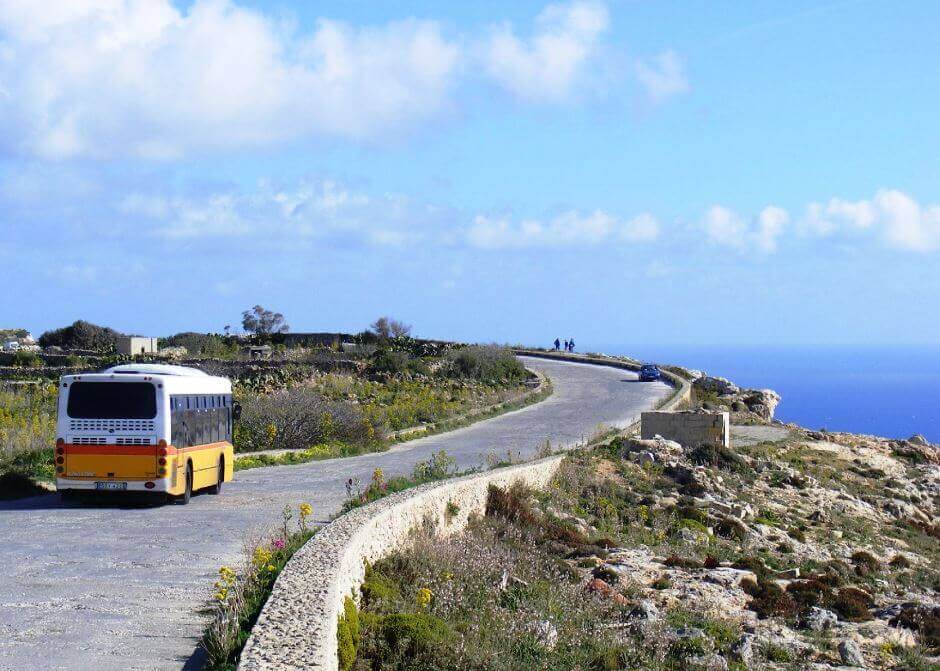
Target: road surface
pixel 120 587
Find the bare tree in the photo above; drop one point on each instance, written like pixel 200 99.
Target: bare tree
pixel 385 328
pixel 259 321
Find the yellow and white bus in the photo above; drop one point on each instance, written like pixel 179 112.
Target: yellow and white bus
pixel 145 428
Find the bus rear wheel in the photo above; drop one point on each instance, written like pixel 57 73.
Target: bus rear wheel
pixel 188 492
pixel 217 487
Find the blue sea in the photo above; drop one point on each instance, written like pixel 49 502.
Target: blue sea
pixel 884 391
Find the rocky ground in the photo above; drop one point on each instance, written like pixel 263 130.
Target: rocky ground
pixel 793 549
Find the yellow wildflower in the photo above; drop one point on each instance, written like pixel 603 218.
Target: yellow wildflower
pixel 261 556
pixel 306 510
pixel 271 568
pixel 423 597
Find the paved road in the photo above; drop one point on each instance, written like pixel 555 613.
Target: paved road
pixel 115 587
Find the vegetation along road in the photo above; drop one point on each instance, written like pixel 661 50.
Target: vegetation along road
pixel 120 587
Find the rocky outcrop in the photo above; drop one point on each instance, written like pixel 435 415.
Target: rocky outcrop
pixel 718 385
pixel 761 403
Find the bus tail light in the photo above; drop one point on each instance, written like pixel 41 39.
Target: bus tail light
pixel 60 460
pixel 161 472
pixel 161 461
pixel 60 441
pixel 59 469
pixel 60 450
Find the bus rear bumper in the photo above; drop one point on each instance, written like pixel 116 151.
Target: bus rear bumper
pixel 71 484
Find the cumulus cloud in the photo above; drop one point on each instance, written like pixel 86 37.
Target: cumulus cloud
pixel 548 65
pixel 144 78
pixel 568 229
pixel 892 216
pixel 727 228
pixel 321 210
pixel 664 77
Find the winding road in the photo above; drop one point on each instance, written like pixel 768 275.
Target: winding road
pixel 120 587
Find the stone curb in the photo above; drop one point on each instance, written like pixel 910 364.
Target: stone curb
pixel 297 626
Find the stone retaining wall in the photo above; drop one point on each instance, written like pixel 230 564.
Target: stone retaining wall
pixel 297 626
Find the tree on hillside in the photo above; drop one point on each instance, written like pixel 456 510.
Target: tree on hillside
pixel 81 335
pixel 385 328
pixel 259 321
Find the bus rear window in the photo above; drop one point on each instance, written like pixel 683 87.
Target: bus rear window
pixel 112 400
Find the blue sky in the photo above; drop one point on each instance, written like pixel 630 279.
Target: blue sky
pixel 642 172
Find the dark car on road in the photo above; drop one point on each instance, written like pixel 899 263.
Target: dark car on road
pixel 650 373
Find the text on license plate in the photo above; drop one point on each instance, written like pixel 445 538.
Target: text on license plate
pixel 110 485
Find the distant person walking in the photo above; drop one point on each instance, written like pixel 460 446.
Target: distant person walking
pixel 557 344
pixel 566 345
pixel 571 345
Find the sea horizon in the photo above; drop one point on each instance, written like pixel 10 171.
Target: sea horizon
pixel 882 390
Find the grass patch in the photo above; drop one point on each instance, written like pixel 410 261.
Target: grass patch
pixel 240 593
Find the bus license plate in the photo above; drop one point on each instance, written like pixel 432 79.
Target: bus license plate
pixel 110 485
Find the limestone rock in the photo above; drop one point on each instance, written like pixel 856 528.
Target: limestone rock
pixel 743 649
pixel 851 654
pixel 819 619
pixel 719 385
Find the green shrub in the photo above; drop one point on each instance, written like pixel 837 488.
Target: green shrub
pixel 298 418
pixel 348 635
pixel 662 582
pixel 378 588
pixel 900 562
pixel 675 561
pixel 852 604
pixel 24 359
pixel 413 632
pixel 865 563
pixel 81 335
pixel 797 534
pixel 345 648
pixel 490 364
pixel 750 563
pixel 810 592
pixel 389 361
pixel 718 456
pixel 769 600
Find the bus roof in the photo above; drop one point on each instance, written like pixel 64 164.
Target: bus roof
pixel 155 369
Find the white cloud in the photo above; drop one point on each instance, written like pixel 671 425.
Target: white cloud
pixel 321 210
pixel 568 229
pixel 770 224
pixel 142 78
pixel 549 65
pixel 727 228
pixel 891 216
pixel 641 228
pixel 664 77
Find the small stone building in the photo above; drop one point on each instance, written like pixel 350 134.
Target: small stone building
pixel 689 428
pixel 132 345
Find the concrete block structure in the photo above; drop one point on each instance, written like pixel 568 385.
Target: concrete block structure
pixel 136 345
pixel 688 428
